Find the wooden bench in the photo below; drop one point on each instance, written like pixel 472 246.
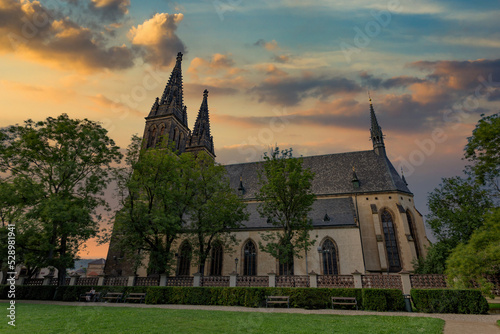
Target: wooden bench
pixel 278 300
pixel 345 301
pixel 113 296
pixel 141 297
pixel 94 297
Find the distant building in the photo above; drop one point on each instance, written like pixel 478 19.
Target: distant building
pixel 364 217
pixel 96 268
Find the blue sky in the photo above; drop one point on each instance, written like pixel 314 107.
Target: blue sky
pixel 432 67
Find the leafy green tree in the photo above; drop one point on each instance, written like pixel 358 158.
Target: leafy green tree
pixel 285 198
pixel 479 257
pixel 483 150
pixel 156 190
pixel 456 209
pixel 216 210
pixel 66 164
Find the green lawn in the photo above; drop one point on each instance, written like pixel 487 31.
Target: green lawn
pixel 38 319
pixel 494 306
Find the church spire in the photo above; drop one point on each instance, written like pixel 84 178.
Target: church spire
pixel 172 99
pixel 201 138
pixel 377 136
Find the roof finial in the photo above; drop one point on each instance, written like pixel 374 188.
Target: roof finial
pixel 369 98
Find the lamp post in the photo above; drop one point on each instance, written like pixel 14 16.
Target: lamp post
pixel 236 265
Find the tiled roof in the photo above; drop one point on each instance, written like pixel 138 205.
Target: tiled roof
pixel 333 174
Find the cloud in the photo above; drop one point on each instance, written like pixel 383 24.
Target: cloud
pixel 281 59
pixel 33 32
pixel 219 63
pixel 112 10
pixel 106 105
pixel 195 90
pixel 291 91
pixel 271 70
pixel 270 46
pixel 157 38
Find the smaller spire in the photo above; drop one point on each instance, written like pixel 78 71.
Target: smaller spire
pixel 403 177
pixel 377 135
pixel 201 137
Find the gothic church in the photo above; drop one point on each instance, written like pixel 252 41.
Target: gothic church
pixel 364 217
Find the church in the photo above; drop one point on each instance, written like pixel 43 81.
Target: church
pixel 364 217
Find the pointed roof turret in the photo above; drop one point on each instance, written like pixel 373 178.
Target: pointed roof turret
pixel 201 137
pixel 172 99
pixel 377 136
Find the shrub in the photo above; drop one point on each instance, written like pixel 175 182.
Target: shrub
pixel 383 300
pixel 449 301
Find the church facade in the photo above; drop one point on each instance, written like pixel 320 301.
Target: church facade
pixel 364 217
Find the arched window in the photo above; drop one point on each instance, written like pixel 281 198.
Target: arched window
pixel 216 264
pixel 284 269
pixel 249 259
pixel 174 138
pixel 391 242
pixel 329 258
pixel 152 135
pixel 413 232
pixel 181 142
pixel 184 260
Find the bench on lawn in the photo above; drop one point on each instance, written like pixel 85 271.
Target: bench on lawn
pixel 114 296
pixel 344 301
pixel 278 300
pixel 90 296
pixel 141 297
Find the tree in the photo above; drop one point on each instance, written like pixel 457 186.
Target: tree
pixel 479 257
pixel 216 210
pixel 66 164
pixel 157 190
pixel 285 198
pixel 483 150
pixel 456 209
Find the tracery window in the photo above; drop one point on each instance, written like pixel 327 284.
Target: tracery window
pixel 413 232
pixel 184 260
pixel 329 258
pixel 391 242
pixel 216 263
pixel 249 259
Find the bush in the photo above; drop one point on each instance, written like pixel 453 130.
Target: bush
pixel 449 301
pixel 383 300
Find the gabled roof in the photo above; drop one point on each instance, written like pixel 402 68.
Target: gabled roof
pixel 333 174
pixel 98 261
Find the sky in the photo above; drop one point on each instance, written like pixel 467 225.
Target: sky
pixel 279 72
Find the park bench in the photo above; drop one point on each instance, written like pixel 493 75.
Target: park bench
pixel 278 300
pixel 94 297
pixel 344 301
pixel 141 297
pixel 113 296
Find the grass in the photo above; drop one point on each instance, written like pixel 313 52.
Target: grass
pixel 494 306
pixel 39 319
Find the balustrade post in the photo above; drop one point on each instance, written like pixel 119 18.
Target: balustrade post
pixel 131 280
pixel 73 279
pixel 313 279
pixel 197 279
pixel 232 279
pixel 163 280
pixel 358 282
pixel 100 280
pixel 406 282
pixel 272 280
pixel 47 279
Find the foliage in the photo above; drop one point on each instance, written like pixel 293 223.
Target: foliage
pixel 383 300
pixel 215 211
pixel 435 260
pixel 285 198
pixel 479 257
pixel 63 165
pixel 457 208
pixel 449 301
pixel 119 319
pixel 483 150
pixel 156 192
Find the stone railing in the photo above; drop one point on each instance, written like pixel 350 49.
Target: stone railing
pixel 253 281
pixel 403 281
pixel 147 281
pixel 335 281
pixel 215 281
pixel 292 281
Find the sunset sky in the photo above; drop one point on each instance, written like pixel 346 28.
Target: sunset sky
pixel 286 72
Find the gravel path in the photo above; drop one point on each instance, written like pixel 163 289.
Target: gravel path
pixel 455 323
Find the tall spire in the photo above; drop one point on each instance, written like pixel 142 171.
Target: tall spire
pixel 172 99
pixel 377 136
pixel 201 138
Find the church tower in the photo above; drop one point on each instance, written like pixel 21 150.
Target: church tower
pixel 201 139
pixel 168 116
pixel 377 136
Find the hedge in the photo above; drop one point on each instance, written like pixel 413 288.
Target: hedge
pixel 449 301
pixel 309 298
